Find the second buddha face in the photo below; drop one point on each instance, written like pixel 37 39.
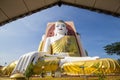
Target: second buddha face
pixel 60 28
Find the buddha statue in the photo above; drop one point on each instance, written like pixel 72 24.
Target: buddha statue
pixel 61 47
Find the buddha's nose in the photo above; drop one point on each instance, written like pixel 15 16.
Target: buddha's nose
pixel 60 27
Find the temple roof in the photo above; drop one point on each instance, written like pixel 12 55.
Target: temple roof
pixel 13 9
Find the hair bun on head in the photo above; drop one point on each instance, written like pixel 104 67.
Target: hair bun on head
pixel 61 21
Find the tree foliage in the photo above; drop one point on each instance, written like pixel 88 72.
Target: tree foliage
pixel 113 48
pixel 29 71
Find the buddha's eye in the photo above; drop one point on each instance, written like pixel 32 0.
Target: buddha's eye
pixel 63 25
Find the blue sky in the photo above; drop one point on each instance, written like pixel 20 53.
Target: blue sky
pixel 23 35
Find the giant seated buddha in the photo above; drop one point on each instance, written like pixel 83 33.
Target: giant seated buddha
pixel 60 48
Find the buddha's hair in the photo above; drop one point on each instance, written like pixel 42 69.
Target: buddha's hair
pixel 61 21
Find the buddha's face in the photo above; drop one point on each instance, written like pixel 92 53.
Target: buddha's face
pixel 60 28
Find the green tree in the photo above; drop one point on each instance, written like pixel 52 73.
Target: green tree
pixel 113 48
pixel 99 72
pixel 29 71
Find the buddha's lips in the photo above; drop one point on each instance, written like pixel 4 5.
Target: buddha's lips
pixel 60 29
